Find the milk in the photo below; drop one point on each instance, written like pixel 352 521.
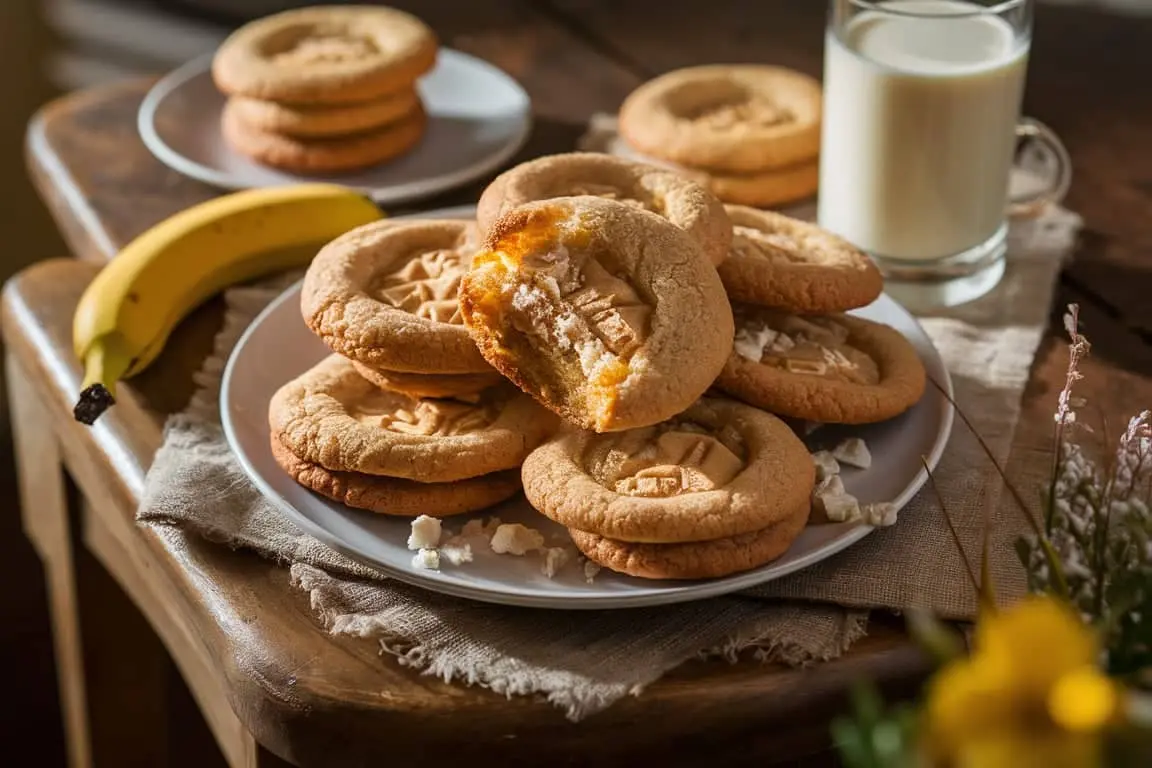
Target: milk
pixel 919 129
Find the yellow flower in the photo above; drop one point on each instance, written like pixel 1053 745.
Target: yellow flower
pixel 1031 694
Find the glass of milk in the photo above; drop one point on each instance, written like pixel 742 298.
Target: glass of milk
pixel 921 129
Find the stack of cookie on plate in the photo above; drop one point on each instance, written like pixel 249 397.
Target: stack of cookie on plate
pixel 749 133
pixel 325 89
pixel 605 288
pixel 406 418
pixel 611 292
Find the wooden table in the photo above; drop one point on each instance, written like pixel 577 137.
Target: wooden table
pixel 268 679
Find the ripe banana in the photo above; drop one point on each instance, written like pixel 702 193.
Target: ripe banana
pixel 127 313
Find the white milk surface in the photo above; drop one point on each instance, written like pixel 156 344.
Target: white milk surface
pixel 919 129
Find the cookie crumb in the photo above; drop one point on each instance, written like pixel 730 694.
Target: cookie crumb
pixel 473 528
pixel 880 514
pixel 555 558
pixel 491 525
pixel 425 533
pixel 829 486
pixel 590 571
pixel 750 343
pixel 854 452
pixel 826 464
pixel 426 560
pixel 516 539
pixel 456 551
pixel 808 427
pixel 842 508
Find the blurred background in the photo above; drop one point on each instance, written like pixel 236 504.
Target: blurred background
pixel 48 48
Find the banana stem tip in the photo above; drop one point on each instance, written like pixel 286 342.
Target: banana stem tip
pixel 94 400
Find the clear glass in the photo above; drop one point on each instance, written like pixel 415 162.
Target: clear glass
pixel 922 128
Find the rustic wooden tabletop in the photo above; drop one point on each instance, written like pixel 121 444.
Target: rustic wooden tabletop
pixel 1088 80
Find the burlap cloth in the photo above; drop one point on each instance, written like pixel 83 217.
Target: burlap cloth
pixel 584 661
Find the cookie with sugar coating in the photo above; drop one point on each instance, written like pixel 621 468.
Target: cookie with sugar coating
pixel 678 199
pixel 834 369
pixel 607 314
pixel 323 154
pixel 325 55
pixel 396 496
pixel 385 295
pixel 720 469
pixel 695 559
pixel 726 118
pixel 313 121
pixel 778 261
pixel 333 417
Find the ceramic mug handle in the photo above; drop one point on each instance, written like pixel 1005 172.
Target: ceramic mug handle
pixel 1049 147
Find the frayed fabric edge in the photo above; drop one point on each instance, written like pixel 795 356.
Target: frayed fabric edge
pixel 767 648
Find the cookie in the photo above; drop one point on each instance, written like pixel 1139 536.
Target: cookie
pixel 761 189
pixel 682 202
pixel 333 417
pixel 765 189
pixel 462 386
pixel 310 121
pixel 781 262
pixel 394 496
pixel 322 155
pixel 607 314
pixel 834 369
pixel 693 560
pixel 333 55
pixel 385 295
pixel 720 469
pixel 726 118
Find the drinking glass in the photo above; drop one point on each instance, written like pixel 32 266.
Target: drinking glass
pixel 922 130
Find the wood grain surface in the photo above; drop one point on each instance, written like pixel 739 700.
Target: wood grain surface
pixel 254 643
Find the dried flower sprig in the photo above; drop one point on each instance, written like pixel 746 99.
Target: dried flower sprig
pixel 1090 557
pixel 1097 521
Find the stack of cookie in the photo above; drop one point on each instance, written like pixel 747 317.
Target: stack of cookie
pixel 749 133
pixel 612 291
pixel 406 418
pixel 325 89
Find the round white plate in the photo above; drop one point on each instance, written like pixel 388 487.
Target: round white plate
pixel 478 117
pixel 278 347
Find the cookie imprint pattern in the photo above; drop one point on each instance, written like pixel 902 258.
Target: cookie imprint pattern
pixel 668 460
pixel 427 285
pixel 399 413
pixel 816 346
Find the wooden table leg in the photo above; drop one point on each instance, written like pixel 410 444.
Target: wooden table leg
pixel 44 510
pixel 111 669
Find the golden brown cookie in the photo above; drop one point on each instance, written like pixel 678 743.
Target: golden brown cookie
pixel 765 189
pixel 309 121
pixel 728 118
pixel 325 55
pixel 719 469
pixel 607 314
pixel 385 295
pixel 781 262
pixel 682 202
pixel 323 155
pixel 760 189
pixel 461 386
pixel 834 369
pixel 395 496
pixel 333 417
pixel 696 559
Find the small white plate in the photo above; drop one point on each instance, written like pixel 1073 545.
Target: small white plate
pixel 478 117
pixel 278 347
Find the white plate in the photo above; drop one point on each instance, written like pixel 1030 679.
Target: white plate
pixel 278 347
pixel 478 117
